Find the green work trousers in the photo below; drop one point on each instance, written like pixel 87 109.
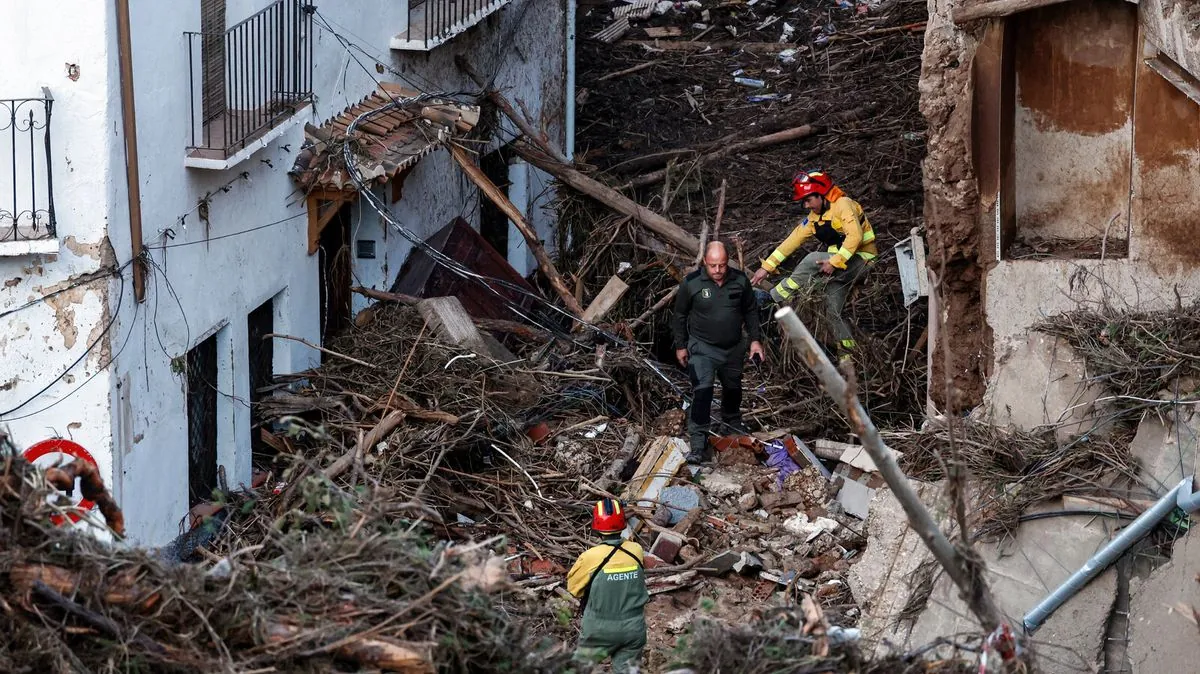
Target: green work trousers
pixel 624 640
pixel 837 289
pixel 706 365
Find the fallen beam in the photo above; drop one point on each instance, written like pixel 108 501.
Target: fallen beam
pixel 668 231
pixel 992 9
pixel 751 145
pixel 492 324
pixel 966 573
pixel 496 196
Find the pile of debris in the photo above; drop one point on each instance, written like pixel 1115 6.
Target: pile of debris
pixel 340 584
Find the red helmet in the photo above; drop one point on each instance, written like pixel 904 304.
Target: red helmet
pixel 810 182
pixel 607 516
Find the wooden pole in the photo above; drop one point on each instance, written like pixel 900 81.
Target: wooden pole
pixel 967 574
pixel 497 197
pixel 751 145
pixel 129 120
pixel 668 231
pixel 509 111
pixel 720 210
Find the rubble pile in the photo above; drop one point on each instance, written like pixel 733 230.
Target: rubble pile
pixel 341 585
pixel 665 115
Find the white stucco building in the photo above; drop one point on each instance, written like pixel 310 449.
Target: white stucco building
pixel 145 353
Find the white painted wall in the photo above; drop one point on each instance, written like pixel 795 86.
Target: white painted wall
pixel 205 277
pixel 40 343
pixel 524 45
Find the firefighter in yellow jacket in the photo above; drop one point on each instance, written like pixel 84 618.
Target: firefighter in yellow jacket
pixel 610 583
pixel 839 223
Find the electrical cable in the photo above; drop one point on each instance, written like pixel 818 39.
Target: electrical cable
pixel 226 236
pixel 82 282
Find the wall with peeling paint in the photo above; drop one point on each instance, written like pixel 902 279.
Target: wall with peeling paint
pixel 207 269
pixel 60 344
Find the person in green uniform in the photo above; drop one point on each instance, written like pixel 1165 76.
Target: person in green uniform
pixel 610 583
pixel 713 305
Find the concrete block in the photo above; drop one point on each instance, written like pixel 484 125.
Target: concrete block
pixel 1040 381
pixel 667 546
pixel 1162 638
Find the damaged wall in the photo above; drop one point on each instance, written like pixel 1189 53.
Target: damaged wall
pixel 53 380
pixel 1042 128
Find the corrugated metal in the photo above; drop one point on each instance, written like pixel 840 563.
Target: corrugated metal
pixel 421 277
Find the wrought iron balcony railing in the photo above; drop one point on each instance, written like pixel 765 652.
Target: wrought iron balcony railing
pixel 250 78
pixel 26 178
pixel 435 22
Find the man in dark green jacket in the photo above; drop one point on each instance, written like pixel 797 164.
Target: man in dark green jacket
pixel 716 313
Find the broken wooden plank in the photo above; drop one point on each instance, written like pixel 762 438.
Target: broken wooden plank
pixel 751 145
pixel 663 457
pixel 492 324
pixel 664 31
pixel 454 325
pixel 606 300
pixel 992 9
pixel 496 196
pixel 670 232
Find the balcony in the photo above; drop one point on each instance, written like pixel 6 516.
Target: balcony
pixel 435 22
pixel 26 180
pixel 248 82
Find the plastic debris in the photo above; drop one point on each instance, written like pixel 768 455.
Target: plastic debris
pixel 778 457
pixel 750 82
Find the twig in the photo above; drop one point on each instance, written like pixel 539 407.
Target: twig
pixel 322 349
pixel 522 469
pixel 716 235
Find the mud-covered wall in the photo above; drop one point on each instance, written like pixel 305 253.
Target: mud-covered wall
pixel 952 211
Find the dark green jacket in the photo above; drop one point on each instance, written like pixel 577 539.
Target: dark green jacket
pixel 715 314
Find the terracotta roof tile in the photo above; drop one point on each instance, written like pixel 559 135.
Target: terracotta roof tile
pixel 384 145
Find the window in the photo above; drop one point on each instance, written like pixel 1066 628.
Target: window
pixel 261 373
pixel 202 420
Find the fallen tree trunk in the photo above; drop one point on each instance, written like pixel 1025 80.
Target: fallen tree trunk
pixel 668 231
pixel 493 324
pixel 750 145
pixel 497 197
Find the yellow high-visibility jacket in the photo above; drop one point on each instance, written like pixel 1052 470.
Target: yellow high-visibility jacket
pixel 843 227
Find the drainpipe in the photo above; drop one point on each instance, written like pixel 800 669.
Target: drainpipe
pixel 570 111
pixel 129 118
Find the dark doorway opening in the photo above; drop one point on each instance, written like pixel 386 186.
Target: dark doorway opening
pixel 259 324
pixel 202 420
pixel 493 223
pixel 336 264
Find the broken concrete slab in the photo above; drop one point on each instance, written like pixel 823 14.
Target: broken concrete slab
pixel 748 564
pixel 721 564
pixel 1162 632
pixel 1039 381
pixel 1165 449
pixel 1021 572
pixel 723 484
pixel 679 500
pixel 855 498
pixel 774 500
